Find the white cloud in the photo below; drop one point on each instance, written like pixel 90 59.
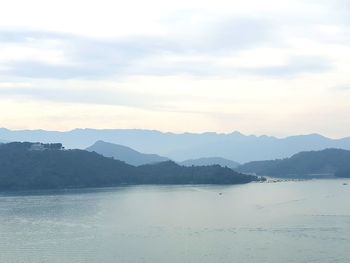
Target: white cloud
pixel 10 53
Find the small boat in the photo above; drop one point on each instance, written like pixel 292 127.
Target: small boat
pixel 345 184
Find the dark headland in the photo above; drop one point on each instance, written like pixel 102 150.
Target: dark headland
pixel 49 166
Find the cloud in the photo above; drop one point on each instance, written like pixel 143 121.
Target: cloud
pixel 8 85
pixel 94 95
pixel 83 57
pixel 295 66
pixel 212 37
pixel 75 56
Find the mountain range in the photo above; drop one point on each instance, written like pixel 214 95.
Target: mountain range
pixel 183 146
pixel 130 156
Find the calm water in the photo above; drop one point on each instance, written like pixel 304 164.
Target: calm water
pixel 305 221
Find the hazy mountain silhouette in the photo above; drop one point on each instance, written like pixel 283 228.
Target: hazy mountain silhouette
pixel 124 153
pixel 36 166
pixel 312 164
pixel 210 161
pixel 180 147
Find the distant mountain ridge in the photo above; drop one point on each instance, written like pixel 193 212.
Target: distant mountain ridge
pixel 123 153
pixel 211 161
pixel 184 146
pixel 130 156
pixel 313 164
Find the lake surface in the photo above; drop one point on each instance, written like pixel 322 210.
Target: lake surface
pixel 306 221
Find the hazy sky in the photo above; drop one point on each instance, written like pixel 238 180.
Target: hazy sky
pixel 271 67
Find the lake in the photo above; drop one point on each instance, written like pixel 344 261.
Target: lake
pixel 304 221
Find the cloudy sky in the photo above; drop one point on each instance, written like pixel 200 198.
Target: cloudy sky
pixel 273 67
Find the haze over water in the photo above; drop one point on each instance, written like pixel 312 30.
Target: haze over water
pixel 306 221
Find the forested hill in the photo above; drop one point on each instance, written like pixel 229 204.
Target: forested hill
pixel 312 164
pixel 47 166
pixel 172 173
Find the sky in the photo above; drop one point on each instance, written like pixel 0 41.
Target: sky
pixel 259 67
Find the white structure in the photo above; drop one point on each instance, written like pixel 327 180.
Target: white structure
pixel 37 147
